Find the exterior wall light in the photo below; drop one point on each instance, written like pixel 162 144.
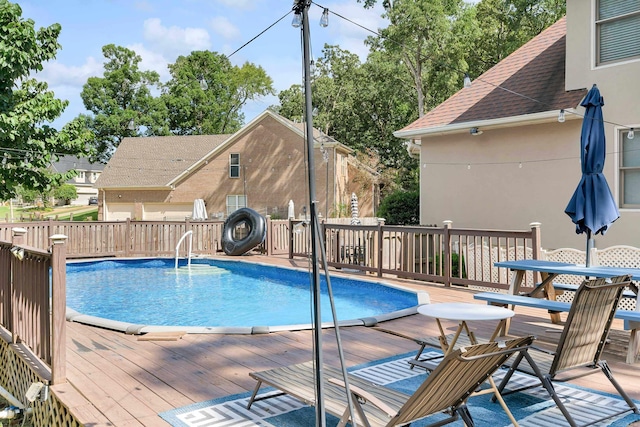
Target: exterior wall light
pixel 561 116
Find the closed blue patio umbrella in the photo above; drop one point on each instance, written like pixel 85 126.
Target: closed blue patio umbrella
pixel 592 207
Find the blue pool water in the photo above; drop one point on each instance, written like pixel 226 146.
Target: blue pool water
pixel 218 293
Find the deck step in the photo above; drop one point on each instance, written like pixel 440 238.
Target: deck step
pixel 195 269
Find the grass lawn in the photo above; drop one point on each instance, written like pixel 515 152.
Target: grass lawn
pixel 6 211
pixel 63 213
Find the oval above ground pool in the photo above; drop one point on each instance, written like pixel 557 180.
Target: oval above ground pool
pixel 221 296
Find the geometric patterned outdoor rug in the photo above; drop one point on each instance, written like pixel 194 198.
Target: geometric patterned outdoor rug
pixel 531 407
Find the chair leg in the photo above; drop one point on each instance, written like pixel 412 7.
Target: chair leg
pixel 604 366
pixel 253 395
pixel 508 375
pixel 346 416
pixel 465 415
pixel 418 355
pixel 548 385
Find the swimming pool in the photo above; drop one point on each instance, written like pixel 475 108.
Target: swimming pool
pixel 219 296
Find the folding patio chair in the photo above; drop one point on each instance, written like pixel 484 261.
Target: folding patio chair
pixel 580 346
pixel 445 390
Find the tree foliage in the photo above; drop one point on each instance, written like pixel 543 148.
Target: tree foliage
pixel 428 37
pixel 206 93
pixel 507 25
pixel 358 104
pixel 121 102
pixel 28 145
pixel 66 192
pixel 401 208
pixel 418 61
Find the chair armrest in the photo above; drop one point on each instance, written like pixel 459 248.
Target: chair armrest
pixel 365 396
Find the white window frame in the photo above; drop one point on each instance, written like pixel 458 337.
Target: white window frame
pixel 234 165
pixel 623 170
pixel 235 202
pixel 602 22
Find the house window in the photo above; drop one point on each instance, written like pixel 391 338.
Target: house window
pixel 234 166
pixel 629 171
pixel 618 30
pixel 235 202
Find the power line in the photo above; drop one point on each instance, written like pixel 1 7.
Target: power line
pixel 258 35
pixel 452 68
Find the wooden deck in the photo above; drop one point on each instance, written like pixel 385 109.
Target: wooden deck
pixel 118 380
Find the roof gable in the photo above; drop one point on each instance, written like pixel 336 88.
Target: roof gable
pixel 530 80
pixel 162 161
pixel 155 161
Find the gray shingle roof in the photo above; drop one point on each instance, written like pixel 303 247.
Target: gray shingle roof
pixel 67 163
pixel 530 80
pixel 155 161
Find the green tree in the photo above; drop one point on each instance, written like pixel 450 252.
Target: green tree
pixel 507 25
pixel 28 144
pixel 360 105
pixel 401 208
pixel 66 192
pixel 121 103
pixel 427 37
pixel 291 103
pixel 206 93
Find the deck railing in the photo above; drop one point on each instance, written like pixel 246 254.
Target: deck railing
pixel 121 238
pixel 443 255
pixel 33 303
pixel 33 260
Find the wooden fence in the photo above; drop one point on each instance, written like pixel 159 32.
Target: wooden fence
pixel 33 303
pixel 437 254
pixel 33 261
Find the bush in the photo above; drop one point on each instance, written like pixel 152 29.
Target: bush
pixel 66 192
pixel 401 208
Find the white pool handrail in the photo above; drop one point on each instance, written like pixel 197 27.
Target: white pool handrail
pixel 190 234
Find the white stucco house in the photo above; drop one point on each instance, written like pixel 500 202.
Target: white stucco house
pixel 496 156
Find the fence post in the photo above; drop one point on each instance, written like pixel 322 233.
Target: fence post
pixel 127 238
pixel 18 234
pixel 269 237
pixel 536 243
pixel 447 252
pixel 58 308
pixel 17 238
pixel 290 238
pixel 536 246
pixel 380 245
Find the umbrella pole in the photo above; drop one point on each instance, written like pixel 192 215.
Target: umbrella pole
pixel 589 247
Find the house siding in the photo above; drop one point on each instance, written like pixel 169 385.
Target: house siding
pixel 504 179
pixel 272 172
pixel 520 171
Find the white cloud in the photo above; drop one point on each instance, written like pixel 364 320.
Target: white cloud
pixel 224 28
pixel 173 41
pixel 57 74
pixel 151 60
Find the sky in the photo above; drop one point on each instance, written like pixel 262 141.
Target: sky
pixel 161 30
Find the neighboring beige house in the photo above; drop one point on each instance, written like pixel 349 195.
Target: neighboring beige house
pixel 523 165
pixel 262 166
pixel 87 175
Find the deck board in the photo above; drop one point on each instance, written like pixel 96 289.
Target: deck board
pixel 117 380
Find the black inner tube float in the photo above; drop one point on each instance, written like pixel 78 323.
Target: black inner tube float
pixel 256 234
